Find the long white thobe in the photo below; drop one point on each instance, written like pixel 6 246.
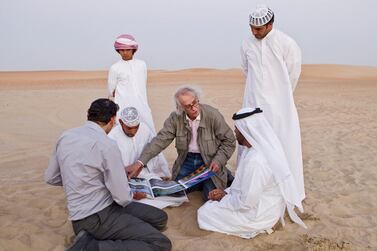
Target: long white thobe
pixel 253 203
pixel 131 148
pixel 272 67
pixel 129 81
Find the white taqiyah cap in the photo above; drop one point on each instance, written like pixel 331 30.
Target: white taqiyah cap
pixel 260 16
pixel 130 116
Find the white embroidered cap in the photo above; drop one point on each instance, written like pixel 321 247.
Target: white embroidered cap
pixel 130 116
pixel 260 16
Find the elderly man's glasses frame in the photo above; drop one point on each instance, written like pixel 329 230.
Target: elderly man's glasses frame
pixel 194 103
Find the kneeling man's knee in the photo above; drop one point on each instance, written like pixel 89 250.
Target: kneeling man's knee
pixel 161 220
pixel 165 243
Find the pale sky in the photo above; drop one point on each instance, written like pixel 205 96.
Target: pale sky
pixel 177 34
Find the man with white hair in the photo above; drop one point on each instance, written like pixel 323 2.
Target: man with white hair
pixel 201 137
pixel 127 80
pixel 132 135
pixel 271 62
pixel 263 187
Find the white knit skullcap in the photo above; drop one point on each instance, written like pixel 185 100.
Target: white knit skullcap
pixel 130 116
pixel 260 16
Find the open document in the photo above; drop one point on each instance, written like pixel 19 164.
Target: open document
pixel 156 187
pixel 201 174
pixel 163 193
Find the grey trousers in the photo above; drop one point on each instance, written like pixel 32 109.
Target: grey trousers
pixel 132 228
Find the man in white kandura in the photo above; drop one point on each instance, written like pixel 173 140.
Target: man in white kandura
pixel 271 62
pixel 132 135
pixel 127 80
pixel 263 188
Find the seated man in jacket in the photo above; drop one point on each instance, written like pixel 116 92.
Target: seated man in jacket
pixel 201 137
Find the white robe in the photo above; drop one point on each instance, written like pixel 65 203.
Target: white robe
pixel 253 204
pixel 131 148
pixel 272 67
pixel 129 80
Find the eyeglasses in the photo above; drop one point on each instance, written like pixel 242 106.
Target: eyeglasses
pixel 194 103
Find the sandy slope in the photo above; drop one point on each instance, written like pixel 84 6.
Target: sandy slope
pixel 337 108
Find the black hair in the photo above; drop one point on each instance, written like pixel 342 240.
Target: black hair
pixel 102 110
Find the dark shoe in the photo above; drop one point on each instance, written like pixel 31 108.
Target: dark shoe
pixel 81 240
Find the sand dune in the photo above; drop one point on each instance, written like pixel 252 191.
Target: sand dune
pixel 337 108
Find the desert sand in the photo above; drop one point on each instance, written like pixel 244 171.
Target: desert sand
pixel 337 108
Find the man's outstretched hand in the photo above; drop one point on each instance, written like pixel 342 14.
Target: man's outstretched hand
pixel 214 167
pixel 134 169
pixel 139 195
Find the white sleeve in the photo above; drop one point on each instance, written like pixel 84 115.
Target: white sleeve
pixel 293 62
pixel 252 187
pixel 112 81
pixel 244 65
pixel 52 175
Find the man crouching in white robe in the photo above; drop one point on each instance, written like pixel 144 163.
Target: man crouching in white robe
pixel 132 135
pixel 263 187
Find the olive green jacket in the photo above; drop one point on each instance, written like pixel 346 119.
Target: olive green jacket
pixel 215 139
